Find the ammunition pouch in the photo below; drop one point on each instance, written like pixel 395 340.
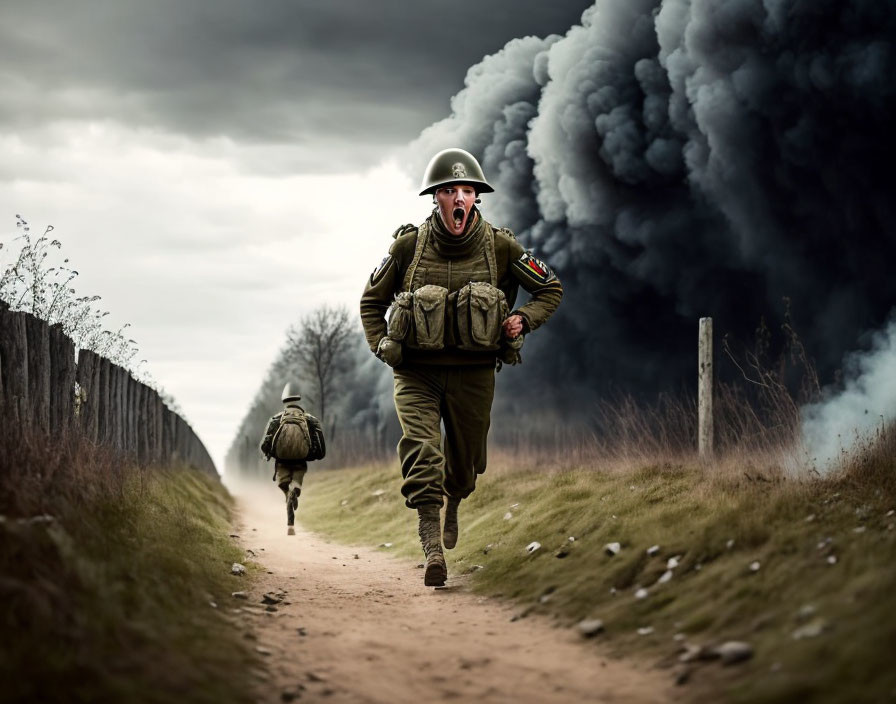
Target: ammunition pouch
pixel 510 350
pixel 389 351
pixel 430 318
pixel 401 314
pixel 430 302
pixel 480 310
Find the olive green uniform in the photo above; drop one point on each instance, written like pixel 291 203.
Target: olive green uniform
pixel 450 385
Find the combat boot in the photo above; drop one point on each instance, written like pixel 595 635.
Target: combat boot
pixel 292 503
pixel 435 572
pixel 449 532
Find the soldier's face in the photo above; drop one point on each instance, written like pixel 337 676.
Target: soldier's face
pixel 455 202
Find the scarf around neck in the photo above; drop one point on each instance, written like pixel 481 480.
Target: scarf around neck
pixel 452 246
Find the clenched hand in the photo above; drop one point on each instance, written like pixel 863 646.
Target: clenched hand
pixel 513 326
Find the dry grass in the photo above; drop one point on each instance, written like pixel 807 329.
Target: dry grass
pixel 756 420
pixel 755 436
pixel 108 571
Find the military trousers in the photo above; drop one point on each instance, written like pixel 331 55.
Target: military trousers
pixel 290 474
pixel 427 396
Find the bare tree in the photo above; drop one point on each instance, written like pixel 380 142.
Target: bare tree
pixel 320 343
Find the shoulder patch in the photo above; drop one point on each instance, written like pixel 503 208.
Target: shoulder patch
pixel 534 269
pixel 381 270
pixel 404 230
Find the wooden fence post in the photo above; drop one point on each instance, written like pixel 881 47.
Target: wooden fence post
pixel 166 433
pixel 6 365
pixel 133 418
pixel 121 409
pixel 14 347
pixel 151 439
pixel 62 380
pixel 126 415
pixel 4 311
pixel 83 373
pixel 145 439
pixel 111 438
pixel 114 408
pixel 158 424
pixel 141 424
pixel 89 374
pixel 38 373
pixel 704 390
pixel 104 402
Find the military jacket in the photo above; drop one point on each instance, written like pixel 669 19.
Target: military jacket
pixel 496 258
pixel 318 444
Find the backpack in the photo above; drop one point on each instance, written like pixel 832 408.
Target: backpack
pixel 292 439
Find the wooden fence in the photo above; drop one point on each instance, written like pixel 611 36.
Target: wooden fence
pixel 43 389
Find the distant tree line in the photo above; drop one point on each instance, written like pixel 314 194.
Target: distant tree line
pixel 342 384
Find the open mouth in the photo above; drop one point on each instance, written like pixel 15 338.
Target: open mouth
pixel 458 215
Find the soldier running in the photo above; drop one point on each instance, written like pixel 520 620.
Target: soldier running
pixel 448 287
pixel 290 471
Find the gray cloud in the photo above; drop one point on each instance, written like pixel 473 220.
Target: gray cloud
pixel 287 72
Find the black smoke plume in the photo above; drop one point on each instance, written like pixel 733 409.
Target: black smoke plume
pixel 692 158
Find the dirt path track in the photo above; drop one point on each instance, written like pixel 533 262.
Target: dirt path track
pixel 359 626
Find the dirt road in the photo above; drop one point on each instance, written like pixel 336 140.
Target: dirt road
pixel 356 625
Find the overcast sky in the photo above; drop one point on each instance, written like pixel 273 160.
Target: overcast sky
pixel 215 169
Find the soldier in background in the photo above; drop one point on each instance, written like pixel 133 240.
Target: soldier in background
pixel 449 286
pixel 291 458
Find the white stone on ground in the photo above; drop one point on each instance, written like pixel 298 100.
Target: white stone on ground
pixel 590 626
pixel 734 651
pixel 813 629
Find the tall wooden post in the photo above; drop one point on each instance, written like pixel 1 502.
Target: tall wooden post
pixel 89 380
pixel 38 373
pixel 14 346
pixel 62 384
pixel 704 389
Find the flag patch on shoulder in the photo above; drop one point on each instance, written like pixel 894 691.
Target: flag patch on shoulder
pixel 535 268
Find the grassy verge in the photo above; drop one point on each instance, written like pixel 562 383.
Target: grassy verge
pixel 758 560
pixel 112 598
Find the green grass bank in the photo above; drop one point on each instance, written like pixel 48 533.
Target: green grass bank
pixel 803 571
pixel 109 576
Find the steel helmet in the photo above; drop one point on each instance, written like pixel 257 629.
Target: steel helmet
pixel 454 166
pixel 291 392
